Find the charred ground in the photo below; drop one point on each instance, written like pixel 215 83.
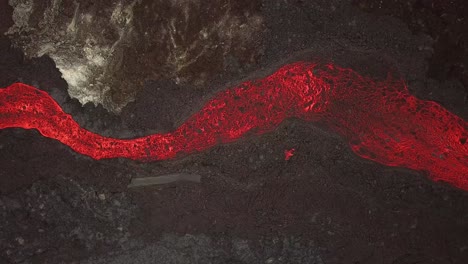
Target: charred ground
pixel 324 205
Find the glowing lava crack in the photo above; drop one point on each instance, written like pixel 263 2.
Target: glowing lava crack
pixel 380 119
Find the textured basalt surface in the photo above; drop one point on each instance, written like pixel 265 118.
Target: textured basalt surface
pixel 323 205
pixel 106 50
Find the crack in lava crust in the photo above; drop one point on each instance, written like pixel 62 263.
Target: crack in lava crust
pixel 380 119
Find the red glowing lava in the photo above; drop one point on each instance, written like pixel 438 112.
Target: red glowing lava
pixel 289 153
pixel 381 120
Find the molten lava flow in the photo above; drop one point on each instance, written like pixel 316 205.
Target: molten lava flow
pixel 381 120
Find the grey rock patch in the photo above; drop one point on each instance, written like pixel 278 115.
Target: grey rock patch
pixel 164 179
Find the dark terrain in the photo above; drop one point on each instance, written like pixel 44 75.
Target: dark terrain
pixel 324 205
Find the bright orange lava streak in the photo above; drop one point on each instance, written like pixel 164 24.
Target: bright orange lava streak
pixel 381 120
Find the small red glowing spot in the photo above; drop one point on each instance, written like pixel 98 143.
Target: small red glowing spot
pixel 289 153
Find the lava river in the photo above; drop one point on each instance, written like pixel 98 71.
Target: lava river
pixel 380 119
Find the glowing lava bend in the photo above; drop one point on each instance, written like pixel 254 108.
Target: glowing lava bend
pixel 380 119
